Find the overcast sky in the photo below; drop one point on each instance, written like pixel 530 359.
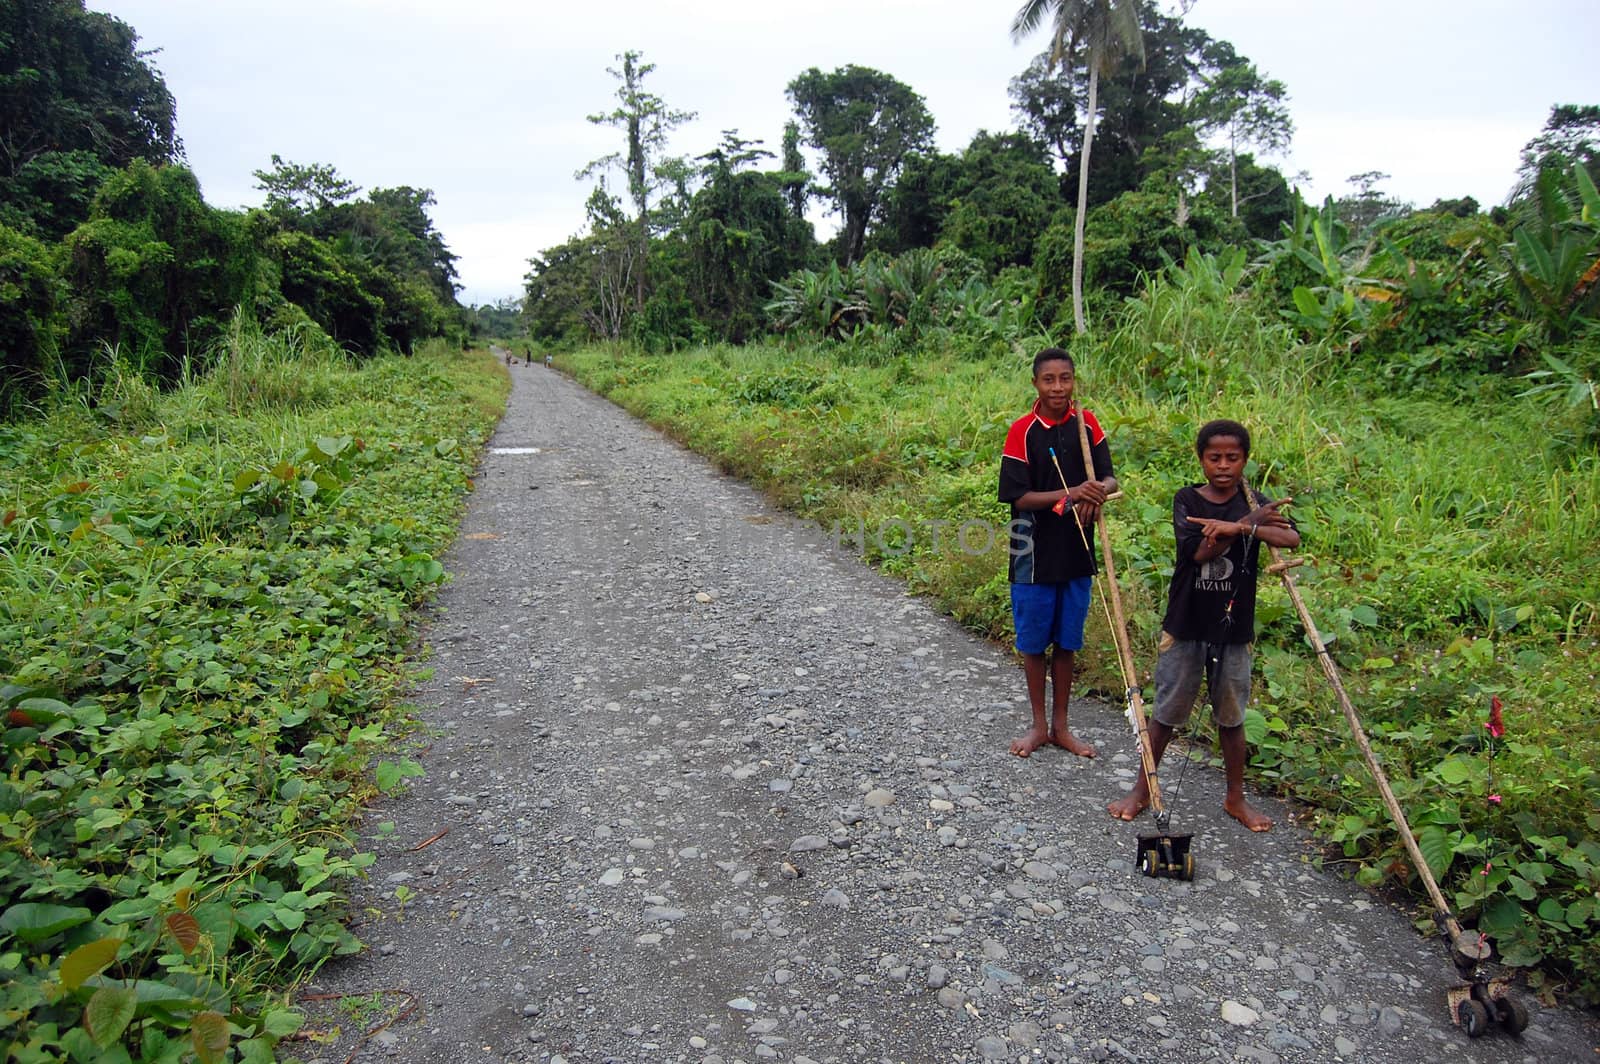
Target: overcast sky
pixel 483 101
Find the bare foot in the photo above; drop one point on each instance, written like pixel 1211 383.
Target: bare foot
pixel 1072 744
pixel 1029 741
pixel 1241 811
pixel 1129 805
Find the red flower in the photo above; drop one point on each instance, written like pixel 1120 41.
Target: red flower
pixel 1494 799
pixel 1496 726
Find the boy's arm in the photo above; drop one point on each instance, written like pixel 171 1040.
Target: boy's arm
pixel 1265 522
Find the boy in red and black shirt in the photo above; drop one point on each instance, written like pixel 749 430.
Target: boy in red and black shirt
pixel 1054 502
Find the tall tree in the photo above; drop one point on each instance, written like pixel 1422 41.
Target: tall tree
pixel 77 100
pixel 1104 31
pixel 297 191
pixel 1570 135
pixel 646 122
pixel 1237 101
pixel 1368 206
pixel 864 122
pixel 1046 106
pixel 795 178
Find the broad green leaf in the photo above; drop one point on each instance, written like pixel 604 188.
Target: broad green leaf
pixel 1502 916
pixel 216 920
pixel 1533 258
pixel 1552 911
pixel 1579 913
pixel 108 1013
pixel 88 959
pixel 388 774
pixel 116 532
pixel 1255 726
pixel 246 479
pixel 256 1051
pixel 1587 193
pixel 1436 849
pixel 36 921
pixel 333 446
pixel 280 1023
pixel 209 1031
pixel 1454 771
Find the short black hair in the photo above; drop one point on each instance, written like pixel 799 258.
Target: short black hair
pixel 1222 427
pixel 1052 354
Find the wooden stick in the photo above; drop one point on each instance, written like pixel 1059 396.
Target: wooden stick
pixel 1119 636
pixel 1282 568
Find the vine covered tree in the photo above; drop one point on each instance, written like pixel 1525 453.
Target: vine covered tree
pixel 646 122
pixel 78 99
pixel 865 123
pixel 1104 32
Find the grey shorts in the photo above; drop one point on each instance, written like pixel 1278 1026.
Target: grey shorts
pixel 1180 670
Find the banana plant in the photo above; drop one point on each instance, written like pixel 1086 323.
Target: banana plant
pixel 1553 260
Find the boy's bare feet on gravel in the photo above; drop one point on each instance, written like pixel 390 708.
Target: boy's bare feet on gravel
pixel 1245 814
pixel 1072 744
pixel 1129 805
pixel 1029 741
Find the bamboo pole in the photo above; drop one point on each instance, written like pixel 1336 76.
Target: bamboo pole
pixel 1465 949
pixel 1133 701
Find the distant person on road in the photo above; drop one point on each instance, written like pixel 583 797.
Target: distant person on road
pixel 549 360
pixel 1211 612
pixel 1054 502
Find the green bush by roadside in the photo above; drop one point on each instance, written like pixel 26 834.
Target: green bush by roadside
pixel 204 599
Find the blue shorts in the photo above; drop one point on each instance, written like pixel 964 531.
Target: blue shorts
pixel 1050 613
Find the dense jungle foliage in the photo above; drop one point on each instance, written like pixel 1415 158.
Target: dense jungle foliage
pixel 107 246
pixel 205 597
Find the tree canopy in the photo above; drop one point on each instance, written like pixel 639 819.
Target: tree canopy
pixel 864 123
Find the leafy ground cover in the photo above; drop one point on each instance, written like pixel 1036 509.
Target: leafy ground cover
pixel 204 598
pixel 1448 531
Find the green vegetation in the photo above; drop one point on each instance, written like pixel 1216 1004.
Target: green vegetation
pixel 1451 551
pixel 205 594
pixel 105 238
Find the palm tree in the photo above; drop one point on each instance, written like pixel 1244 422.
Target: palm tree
pixel 1106 32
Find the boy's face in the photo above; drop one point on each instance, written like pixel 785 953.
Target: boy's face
pixel 1222 461
pixel 1053 381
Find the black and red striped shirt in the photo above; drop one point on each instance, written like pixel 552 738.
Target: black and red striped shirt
pixel 1046 547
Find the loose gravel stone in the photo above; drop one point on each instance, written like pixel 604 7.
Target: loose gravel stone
pixel 1237 1014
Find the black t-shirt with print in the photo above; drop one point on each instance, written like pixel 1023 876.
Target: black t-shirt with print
pixel 1198 602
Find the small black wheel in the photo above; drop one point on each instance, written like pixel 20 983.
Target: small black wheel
pixel 1188 866
pixel 1474 1017
pixel 1149 862
pixel 1512 1013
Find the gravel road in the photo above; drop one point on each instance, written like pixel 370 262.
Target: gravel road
pixel 711 790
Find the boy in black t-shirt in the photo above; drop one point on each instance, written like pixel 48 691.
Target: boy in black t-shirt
pixel 1210 620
